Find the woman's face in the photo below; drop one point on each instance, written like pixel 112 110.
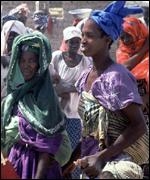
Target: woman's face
pixel 92 42
pixel 28 65
pixel 126 38
pixel 73 44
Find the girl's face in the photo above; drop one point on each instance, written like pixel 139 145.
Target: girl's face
pixel 73 44
pixel 28 65
pixel 92 42
pixel 126 38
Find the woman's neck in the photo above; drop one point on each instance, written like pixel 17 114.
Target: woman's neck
pixel 101 63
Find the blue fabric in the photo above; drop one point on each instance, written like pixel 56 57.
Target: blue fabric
pixel 40 21
pixel 74 129
pixel 8 18
pixel 111 18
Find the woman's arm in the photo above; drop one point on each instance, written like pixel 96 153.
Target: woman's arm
pixel 92 165
pixel 135 129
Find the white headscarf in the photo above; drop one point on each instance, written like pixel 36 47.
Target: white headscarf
pixel 124 170
pixel 71 32
pixel 9 26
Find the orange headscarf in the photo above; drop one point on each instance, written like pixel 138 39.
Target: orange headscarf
pixel 139 33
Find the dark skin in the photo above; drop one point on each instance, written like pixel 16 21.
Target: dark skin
pixel 11 37
pixel 29 66
pixel 72 59
pixel 98 48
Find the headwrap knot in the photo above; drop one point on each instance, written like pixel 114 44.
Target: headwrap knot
pixel 111 18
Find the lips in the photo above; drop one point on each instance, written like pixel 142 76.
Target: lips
pixel 83 48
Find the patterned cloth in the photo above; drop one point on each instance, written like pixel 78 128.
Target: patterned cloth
pixel 40 20
pixel 124 170
pixel 109 126
pixel 74 129
pixel 114 89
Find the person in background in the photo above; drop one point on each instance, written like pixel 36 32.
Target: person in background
pixel 76 20
pixel 114 128
pixel 42 21
pixel 11 29
pixel 7 18
pixel 21 12
pixel 133 53
pixel 67 66
pixel 33 128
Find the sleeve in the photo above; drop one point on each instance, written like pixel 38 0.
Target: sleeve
pixel 55 59
pixel 116 91
pixel 80 83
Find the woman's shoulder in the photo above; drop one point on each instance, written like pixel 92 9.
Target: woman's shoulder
pixel 118 71
pixel 57 53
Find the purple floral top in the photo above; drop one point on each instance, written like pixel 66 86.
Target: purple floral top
pixel 115 89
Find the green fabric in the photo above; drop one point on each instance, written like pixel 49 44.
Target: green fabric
pixel 35 48
pixel 64 153
pixel 36 98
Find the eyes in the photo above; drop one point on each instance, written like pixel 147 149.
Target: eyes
pixel 31 60
pixel 91 35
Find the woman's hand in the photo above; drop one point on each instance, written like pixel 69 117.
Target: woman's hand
pixel 91 165
pixel 56 78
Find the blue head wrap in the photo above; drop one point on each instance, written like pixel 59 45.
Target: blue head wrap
pixel 111 18
pixel 8 18
pixel 40 20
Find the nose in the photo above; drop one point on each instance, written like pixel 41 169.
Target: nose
pixel 26 64
pixel 83 40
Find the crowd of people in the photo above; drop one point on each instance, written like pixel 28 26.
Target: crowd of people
pixel 75 113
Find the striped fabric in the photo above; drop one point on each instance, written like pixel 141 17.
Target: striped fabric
pixel 106 125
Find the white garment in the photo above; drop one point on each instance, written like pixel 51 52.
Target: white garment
pixel 68 78
pixel 9 26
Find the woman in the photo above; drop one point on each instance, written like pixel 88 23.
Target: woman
pixel 110 106
pixel 67 66
pixel 133 53
pixel 21 12
pixel 42 21
pixel 10 31
pixel 33 133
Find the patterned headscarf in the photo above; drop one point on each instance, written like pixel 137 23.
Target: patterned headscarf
pixel 137 30
pixel 7 18
pixel 36 98
pixel 40 19
pixel 124 170
pixel 111 18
